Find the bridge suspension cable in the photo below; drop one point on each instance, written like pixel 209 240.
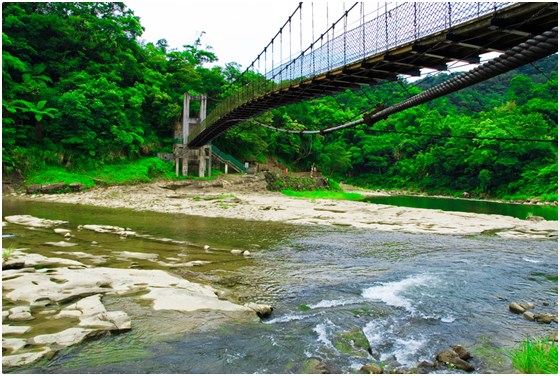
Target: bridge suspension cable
pixel 527 52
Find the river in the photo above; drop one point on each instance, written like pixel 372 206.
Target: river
pixel 411 295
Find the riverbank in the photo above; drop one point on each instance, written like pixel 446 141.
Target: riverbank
pixel 246 198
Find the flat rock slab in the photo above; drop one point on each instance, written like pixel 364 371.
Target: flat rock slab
pixel 62 244
pixel 30 221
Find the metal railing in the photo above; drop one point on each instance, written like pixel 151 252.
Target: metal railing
pixel 226 158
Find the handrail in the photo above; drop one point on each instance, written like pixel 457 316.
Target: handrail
pixel 226 158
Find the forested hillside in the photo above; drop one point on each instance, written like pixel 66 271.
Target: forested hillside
pixel 80 91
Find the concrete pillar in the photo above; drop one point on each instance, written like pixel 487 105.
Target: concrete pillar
pixel 185 169
pixel 201 163
pixel 186 111
pixel 226 168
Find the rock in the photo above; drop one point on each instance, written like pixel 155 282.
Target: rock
pixel 62 339
pixel 527 305
pixel 528 315
pixel 534 218
pixel 462 352
pixel 372 369
pixel 516 308
pixel 553 337
pixel 11 329
pixel 12 264
pixel 544 318
pixel 451 358
pixel 206 248
pixel 425 365
pixel 33 188
pixel 61 243
pixel 61 230
pixel 262 310
pixel 30 221
pixel 69 313
pixel 236 252
pixel 119 319
pixel 138 255
pixel 25 358
pixel 314 366
pixel 109 229
pixel 246 253
pixel 54 187
pixel 76 187
pixel 21 313
pixel 13 344
pixel 352 342
pixel 465 195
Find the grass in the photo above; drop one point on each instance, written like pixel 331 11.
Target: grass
pixel 321 194
pixel 143 170
pixel 536 356
pixel 7 252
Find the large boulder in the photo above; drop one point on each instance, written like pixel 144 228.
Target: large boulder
pixel 262 310
pixel 451 359
pixel 516 308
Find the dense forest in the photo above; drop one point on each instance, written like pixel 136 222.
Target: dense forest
pixel 81 90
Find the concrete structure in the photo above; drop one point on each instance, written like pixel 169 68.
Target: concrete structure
pixel 198 157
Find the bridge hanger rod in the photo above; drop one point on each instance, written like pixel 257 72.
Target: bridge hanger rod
pixel 533 49
pixel 332 27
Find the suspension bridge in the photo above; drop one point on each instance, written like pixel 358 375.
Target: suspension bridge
pixel 360 48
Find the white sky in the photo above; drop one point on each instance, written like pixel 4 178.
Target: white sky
pixel 236 30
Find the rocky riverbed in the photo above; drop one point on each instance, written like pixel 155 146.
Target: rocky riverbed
pixel 247 198
pixel 50 303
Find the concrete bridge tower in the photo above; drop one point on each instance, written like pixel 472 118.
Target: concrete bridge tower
pixel 185 157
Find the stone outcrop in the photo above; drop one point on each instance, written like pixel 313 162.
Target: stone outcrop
pixel 54 188
pixel 456 357
pixel 71 292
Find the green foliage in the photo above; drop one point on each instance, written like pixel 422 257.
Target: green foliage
pixel 129 172
pixel 539 356
pixel 320 194
pixel 80 92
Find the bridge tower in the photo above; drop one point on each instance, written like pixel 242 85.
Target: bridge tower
pixel 184 156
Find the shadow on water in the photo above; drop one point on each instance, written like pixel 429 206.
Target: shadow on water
pixel 410 295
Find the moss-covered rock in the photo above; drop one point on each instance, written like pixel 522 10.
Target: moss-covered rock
pixel 352 342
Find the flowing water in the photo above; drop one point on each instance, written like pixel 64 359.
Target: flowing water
pixel 411 295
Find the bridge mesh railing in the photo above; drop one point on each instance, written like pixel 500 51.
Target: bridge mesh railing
pixel 334 49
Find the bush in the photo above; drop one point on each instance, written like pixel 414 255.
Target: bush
pixel 536 356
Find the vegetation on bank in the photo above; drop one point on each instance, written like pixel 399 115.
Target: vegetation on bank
pixel 323 194
pixel 539 356
pixel 84 98
pixel 143 170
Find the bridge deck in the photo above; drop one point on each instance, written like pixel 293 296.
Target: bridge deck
pixel 500 31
